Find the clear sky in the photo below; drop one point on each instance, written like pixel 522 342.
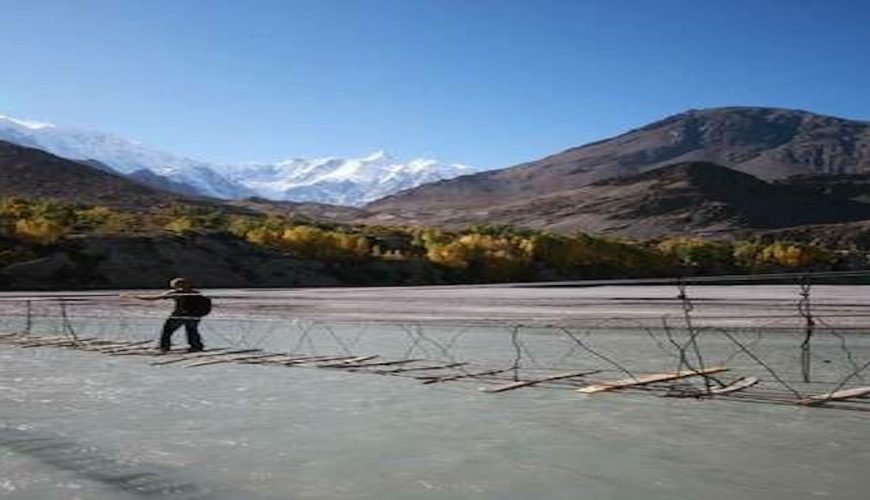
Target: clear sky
pixel 489 83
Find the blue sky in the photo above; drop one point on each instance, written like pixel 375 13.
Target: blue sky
pixel 489 83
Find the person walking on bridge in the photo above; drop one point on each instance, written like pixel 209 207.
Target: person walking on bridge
pixel 190 306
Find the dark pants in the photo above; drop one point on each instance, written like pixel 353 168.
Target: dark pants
pixel 190 326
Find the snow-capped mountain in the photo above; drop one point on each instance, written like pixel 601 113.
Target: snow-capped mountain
pixel 123 155
pixel 343 181
pixel 340 181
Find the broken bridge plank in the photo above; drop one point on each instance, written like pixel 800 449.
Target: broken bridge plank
pixel 384 363
pixel 207 353
pixel 431 379
pixel 316 359
pixel 526 383
pixel 231 359
pixel 347 362
pixel 647 379
pixel 421 368
pixel 840 395
pixel 737 385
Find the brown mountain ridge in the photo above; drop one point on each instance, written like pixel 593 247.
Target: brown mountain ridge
pixel 692 197
pixel 767 143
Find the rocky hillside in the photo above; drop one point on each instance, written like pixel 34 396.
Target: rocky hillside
pixel 847 186
pixel 694 197
pixel 767 143
pixel 148 261
pixel 301 210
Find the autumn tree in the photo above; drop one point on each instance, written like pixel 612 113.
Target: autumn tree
pixel 698 255
pixel 40 230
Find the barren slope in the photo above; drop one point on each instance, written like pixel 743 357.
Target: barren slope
pixel 694 197
pixel 768 143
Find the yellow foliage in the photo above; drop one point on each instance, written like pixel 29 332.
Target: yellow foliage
pixel 14 207
pixel 453 254
pixel 263 236
pixel 122 223
pixel 313 243
pixel 40 230
pixel 352 244
pixel 491 256
pixel 181 225
pixel 581 253
pixel 304 241
pixel 790 255
pixel 92 218
pixel 699 253
pixel 779 254
pixel 745 254
pixel 427 236
pixel 240 226
pixel 96 212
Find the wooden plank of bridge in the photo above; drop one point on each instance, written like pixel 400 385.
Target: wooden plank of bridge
pixel 12 338
pixel 153 351
pixel 122 346
pixel 347 362
pixel 232 359
pixel 432 379
pixel 316 359
pixel 39 340
pixel 207 353
pixel 116 347
pixel 104 344
pixel 59 343
pixel 80 343
pixel 527 383
pixel 840 395
pixel 84 344
pixel 737 385
pixel 282 359
pixel 384 363
pixel 647 379
pixel 110 344
pixel 67 341
pixel 421 368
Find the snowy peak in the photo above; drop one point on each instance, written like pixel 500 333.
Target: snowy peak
pixel 343 181
pixel 30 124
pixel 379 155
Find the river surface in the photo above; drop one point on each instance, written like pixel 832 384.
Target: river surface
pixel 79 425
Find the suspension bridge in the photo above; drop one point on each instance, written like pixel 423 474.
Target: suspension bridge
pixel 797 343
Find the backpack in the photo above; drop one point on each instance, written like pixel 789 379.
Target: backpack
pixel 196 305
